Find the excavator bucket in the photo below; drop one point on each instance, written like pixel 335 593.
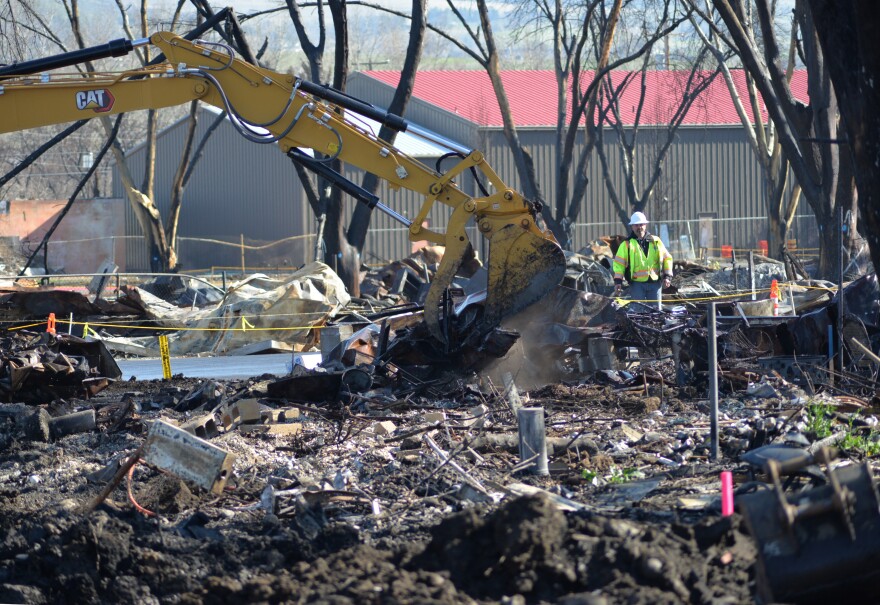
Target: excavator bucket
pixel 523 267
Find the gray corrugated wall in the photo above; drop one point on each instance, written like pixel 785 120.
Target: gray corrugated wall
pixel 707 170
pixel 245 188
pixel 238 187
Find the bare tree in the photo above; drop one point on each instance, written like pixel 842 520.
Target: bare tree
pixel 847 32
pixel 781 200
pixel 163 257
pixel 326 201
pixel 54 168
pixel 343 248
pixel 683 88
pixel 808 133
pixel 577 31
pixel 360 222
pixel 145 210
pixel 484 50
pixel 160 235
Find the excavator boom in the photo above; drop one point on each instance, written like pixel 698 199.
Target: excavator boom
pixel 524 263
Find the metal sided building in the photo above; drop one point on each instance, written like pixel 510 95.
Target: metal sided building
pixel 711 191
pixel 711 188
pixel 237 190
pixel 246 193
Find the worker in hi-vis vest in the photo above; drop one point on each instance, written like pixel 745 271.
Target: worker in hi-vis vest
pixel 645 261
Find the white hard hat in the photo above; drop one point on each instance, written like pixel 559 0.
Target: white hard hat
pixel 638 218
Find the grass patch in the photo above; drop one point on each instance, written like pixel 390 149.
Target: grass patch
pixel 616 475
pixel 623 475
pixel 820 421
pixel 861 442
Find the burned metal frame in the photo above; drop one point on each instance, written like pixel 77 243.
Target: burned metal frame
pixel 818 544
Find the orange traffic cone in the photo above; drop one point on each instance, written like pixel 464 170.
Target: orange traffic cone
pixel 774 296
pixel 50 324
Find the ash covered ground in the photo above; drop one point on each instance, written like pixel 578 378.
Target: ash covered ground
pixel 391 494
pixel 344 513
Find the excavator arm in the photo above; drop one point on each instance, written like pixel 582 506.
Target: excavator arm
pixel 268 107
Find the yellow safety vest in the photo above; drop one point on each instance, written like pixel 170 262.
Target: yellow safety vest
pixel 641 267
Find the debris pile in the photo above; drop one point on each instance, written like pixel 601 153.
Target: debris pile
pixel 572 455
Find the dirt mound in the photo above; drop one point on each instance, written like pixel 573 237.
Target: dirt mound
pixel 364 517
pixel 506 552
pixel 525 547
pixel 529 547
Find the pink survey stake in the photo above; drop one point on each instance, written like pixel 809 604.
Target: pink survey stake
pixel 726 493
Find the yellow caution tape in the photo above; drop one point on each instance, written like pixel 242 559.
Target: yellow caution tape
pixel 246 325
pixel 166 357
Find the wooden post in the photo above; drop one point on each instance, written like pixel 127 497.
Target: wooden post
pixel 242 255
pixel 831 354
pixel 512 393
pixel 733 269
pixel 532 439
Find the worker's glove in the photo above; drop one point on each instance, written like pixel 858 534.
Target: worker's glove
pixel 618 289
pixel 667 282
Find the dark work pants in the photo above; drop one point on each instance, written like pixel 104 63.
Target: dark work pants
pixel 648 292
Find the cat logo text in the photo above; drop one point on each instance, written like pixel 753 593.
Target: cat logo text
pixel 100 100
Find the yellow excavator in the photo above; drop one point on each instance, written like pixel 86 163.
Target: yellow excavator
pixel 524 262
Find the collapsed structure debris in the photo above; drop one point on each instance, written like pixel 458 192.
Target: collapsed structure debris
pixel 417 434
pixel 42 367
pixel 819 543
pixel 377 492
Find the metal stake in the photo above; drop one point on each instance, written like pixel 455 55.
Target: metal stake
pixel 752 272
pixel 713 383
pixel 532 439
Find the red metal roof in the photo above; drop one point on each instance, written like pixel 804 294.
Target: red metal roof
pixel 532 96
